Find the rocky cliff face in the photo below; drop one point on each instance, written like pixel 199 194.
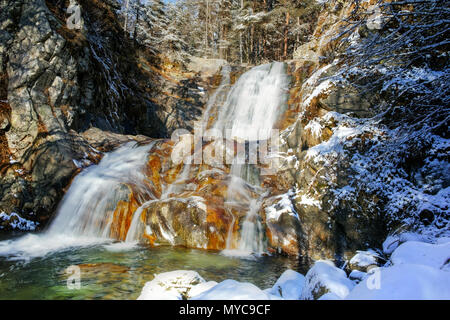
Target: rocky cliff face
pixel 361 162
pixel 57 81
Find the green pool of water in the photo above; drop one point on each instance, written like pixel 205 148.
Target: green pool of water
pixel 107 274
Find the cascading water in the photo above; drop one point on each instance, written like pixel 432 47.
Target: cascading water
pixel 255 103
pixel 250 111
pixel 86 212
pixel 88 206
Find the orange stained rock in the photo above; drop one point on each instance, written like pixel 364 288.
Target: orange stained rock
pixel 151 239
pixel 171 175
pixel 122 217
pixel 218 226
pixel 291 248
pixel 154 164
pixel 212 186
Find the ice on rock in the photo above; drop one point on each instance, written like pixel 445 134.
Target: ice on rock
pixel 174 285
pixel 325 277
pixel 289 286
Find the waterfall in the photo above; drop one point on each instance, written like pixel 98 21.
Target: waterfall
pixel 87 208
pixel 255 103
pixel 249 109
pixel 85 214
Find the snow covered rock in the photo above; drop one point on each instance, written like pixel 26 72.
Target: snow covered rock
pixel 289 286
pixel 363 260
pixel 330 296
pixel 14 222
pixel 324 277
pixel 200 288
pixel 414 252
pixel 393 241
pixel 357 275
pixel 174 285
pixel 404 282
pixel 376 20
pixel 234 290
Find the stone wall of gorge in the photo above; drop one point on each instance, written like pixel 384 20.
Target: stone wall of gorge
pixel 358 163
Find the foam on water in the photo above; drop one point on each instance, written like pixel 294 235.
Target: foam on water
pixel 38 245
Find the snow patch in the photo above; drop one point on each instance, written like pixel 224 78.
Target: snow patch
pixel 172 285
pixel 18 223
pixel 284 205
pixel 234 290
pixel 405 282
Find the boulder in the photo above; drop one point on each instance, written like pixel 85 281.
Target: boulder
pixel 414 252
pixel 174 285
pixel 324 277
pixel 183 222
pixel 289 286
pixel 364 260
pixel 404 282
pixel 234 290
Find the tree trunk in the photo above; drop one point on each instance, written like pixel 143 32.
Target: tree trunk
pixel 125 26
pixel 206 28
pixel 138 7
pixel 286 31
pixel 240 37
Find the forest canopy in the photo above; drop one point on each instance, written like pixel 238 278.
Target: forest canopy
pixel 244 31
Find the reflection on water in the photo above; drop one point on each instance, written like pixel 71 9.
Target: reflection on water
pixel 120 271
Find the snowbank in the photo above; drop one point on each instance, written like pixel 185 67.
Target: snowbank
pixel 415 270
pixel 324 277
pixel 289 286
pixel 414 252
pixel 234 290
pixel 404 282
pixel 419 271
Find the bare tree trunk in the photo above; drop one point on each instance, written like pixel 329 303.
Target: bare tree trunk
pixel 240 36
pixel 286 35
pixel 252 47
pixel 138 8
pixel 125 26
pixel 206 28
